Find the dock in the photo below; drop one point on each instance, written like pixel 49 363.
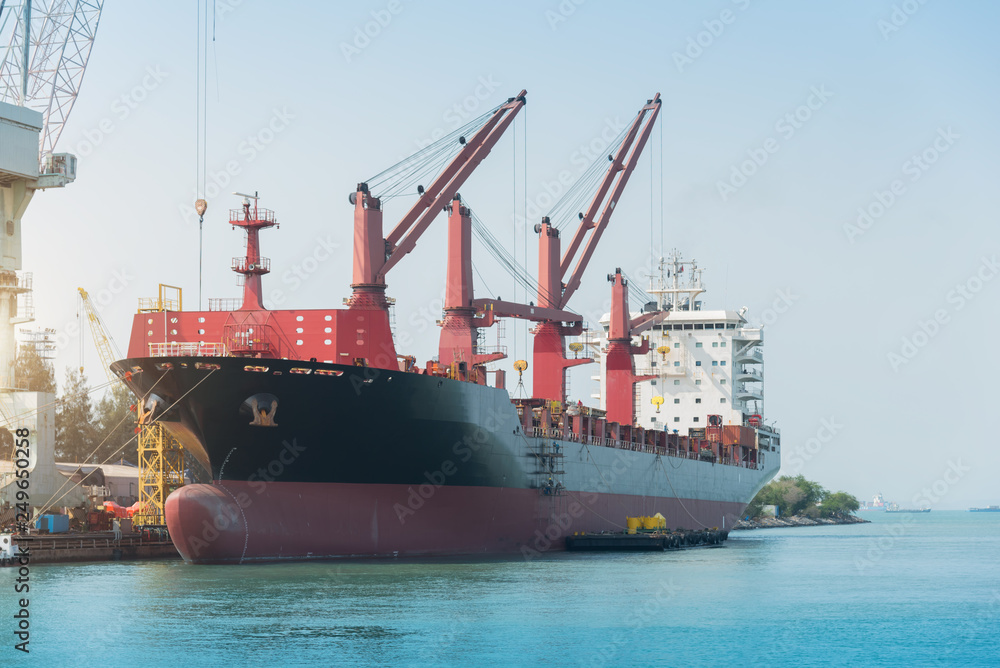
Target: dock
pixel 645 542
pixel 92 546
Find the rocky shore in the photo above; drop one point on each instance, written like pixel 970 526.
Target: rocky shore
pixel 795 521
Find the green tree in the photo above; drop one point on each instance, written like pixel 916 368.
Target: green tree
pixel 839 504
pixel 32 369
pixel 812 492
pixel 75 433
pixel 115 426
pixel 792 496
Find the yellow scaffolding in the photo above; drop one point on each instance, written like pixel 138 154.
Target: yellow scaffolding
pixel 161 471
pixel 161 456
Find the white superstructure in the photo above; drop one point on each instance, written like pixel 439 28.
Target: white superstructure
pixel 702 362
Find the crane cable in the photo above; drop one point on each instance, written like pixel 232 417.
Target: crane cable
pixel 578 197
pixel 134 437
pixel 94 452
pixel 400 178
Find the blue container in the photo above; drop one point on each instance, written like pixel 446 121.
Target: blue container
pixel 53 523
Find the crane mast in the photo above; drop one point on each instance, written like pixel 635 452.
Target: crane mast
pixel 549 354
pixel 464 314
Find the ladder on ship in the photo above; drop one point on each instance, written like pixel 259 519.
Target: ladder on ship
pixel 548 460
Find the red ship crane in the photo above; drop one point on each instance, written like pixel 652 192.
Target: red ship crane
pixel 375 255
pixel 554 322
pixel 620 375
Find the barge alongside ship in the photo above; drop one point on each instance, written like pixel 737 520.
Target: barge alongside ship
pixel 323 442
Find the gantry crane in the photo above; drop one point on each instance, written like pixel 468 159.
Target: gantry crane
pixel 161 456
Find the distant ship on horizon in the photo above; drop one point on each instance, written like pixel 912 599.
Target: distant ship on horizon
pixel 877 503
pixel 987 509
pixel 894 508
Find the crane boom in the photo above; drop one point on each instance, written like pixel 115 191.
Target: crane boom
pixel 102 341
pixel 550 359
pixel 375 255
pixel 618 174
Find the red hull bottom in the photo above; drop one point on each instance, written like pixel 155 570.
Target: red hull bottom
pixel 236 522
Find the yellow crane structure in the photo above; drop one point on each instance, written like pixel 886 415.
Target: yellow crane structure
pixel 161 456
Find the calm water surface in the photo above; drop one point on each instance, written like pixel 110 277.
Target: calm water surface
pixel 906 590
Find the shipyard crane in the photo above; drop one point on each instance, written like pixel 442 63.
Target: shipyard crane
pixel 160 455
pixel 45 71
pixel 102 340
pixel 44 49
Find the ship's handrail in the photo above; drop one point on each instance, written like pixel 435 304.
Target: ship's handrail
pixel 186 349
pixel 225 303
pixel 587 439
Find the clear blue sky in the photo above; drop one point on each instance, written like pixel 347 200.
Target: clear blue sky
pixel 889 89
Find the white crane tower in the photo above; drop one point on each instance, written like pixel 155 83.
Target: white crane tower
pixel 44 48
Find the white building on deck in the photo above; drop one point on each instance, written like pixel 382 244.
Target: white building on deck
pixel 704 362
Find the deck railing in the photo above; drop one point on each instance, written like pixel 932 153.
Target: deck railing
pixel 587 439
pixel 186 349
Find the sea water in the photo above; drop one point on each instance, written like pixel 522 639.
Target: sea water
pixel 904 590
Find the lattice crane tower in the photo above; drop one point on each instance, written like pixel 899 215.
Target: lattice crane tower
pixel 44 49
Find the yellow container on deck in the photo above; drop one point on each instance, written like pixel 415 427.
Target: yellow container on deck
pixel 650 523
pixel 633 523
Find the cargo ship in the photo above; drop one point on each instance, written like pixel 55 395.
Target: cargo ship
pixel 987 509
pixel 324 441
pixel 878 503
pixel 895 508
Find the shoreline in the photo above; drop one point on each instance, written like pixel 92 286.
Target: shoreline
pixel 795 521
